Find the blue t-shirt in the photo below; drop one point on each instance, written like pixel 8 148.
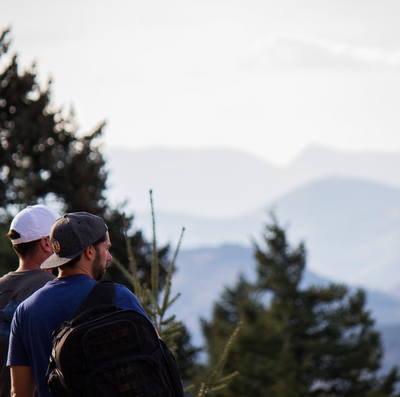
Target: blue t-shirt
pixel 38 316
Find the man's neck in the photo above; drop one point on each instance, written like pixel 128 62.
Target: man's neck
pixel 75 270
pixel 27 264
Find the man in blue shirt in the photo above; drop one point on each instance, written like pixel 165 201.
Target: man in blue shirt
pixel 81 246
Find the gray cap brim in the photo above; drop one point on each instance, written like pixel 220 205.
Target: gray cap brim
pixel 54 260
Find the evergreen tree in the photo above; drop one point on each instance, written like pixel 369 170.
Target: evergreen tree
pixel 40 151
pixel 42 159
pixel 253 343
pixel 297 342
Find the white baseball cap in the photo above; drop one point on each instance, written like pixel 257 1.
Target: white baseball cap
pixel 33 223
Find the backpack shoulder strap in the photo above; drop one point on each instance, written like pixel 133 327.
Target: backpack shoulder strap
pixel 101 294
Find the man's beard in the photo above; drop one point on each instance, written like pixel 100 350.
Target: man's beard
pixel 98 270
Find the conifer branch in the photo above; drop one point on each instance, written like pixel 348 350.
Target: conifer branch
pixel 188 389
pixel 154 257
pixel 215 382
pixel 226 379
pixel 168 320
pixel 127 274
pixel 173 299
pixel 201 391
pixel 132 262
pixel 171 271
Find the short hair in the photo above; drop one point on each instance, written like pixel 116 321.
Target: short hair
pixel 99 241
pixel 23 249
pixel 72 262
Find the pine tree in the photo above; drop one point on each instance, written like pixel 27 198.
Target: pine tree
pixel 241 304
pixel 296 342
pixel 40 151
pixel 42 159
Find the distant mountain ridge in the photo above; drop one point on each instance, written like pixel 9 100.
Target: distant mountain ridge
pixel 193 181
pixel 349 221
pixel 226 183
pixel 318 162
pixel 351 229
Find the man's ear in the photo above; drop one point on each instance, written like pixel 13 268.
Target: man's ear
pixel 46 244
pixel 90 252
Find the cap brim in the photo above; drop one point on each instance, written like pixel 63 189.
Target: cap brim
pixel 54 260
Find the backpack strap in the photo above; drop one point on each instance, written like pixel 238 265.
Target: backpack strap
pixel 101 294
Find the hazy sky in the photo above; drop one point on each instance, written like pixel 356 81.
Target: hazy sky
pixel 267 77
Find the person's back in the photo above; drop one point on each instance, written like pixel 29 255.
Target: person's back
pixel 28 233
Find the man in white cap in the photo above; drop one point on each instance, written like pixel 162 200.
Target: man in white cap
pixel 29 234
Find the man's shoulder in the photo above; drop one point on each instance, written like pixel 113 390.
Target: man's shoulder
pixel 18 286
pixel 36 274
pixel 68 292
pixel 39 275
pixel 126 299
pixel 123 290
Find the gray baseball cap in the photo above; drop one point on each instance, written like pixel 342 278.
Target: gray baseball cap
pixel 71 235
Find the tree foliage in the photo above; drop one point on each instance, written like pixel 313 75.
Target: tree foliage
pixel 40 151
pixel 42 158
pixel 295 342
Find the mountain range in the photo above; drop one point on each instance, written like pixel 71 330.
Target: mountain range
pixel 351 230
pixel 226 183
pixel 345 207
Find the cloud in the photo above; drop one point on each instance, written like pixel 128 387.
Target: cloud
pixel 280 51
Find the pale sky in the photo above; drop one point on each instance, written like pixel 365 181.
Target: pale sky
pixel 266 77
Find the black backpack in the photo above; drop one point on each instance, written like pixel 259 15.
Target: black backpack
pixel 101 350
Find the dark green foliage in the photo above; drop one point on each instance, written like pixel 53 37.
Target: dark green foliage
pixel 41 157
pixel 240 304
pixel 40 152
pixel 296 342
pixel 186 354
pixel 8 258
